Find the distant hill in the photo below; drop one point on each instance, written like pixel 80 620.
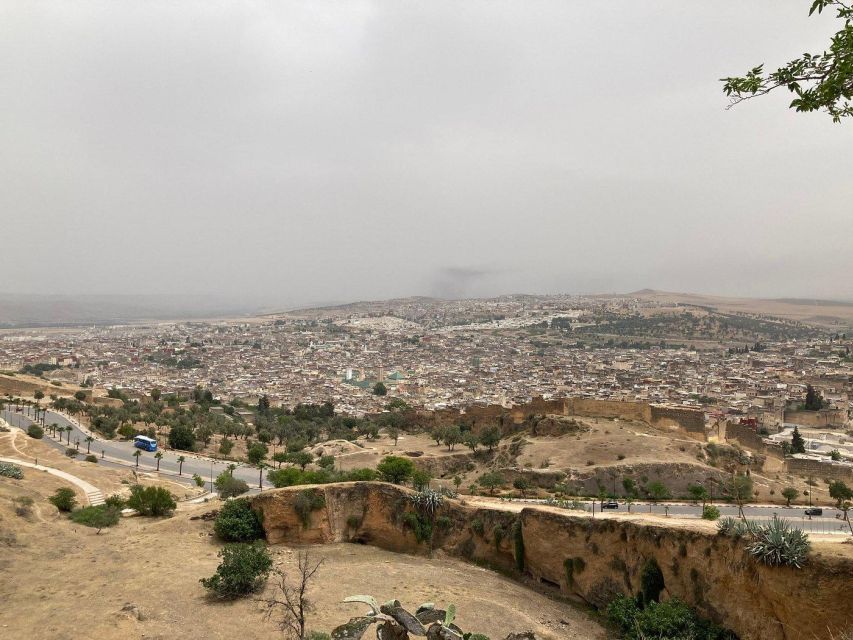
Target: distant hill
pixel 830 314
pixel 23 310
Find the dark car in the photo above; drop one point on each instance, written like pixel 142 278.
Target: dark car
pixel 814 511
pixel 610 504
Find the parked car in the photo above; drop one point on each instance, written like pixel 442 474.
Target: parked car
pixel 610 504
pixel 814 511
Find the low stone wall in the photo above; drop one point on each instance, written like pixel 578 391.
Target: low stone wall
pixel 588 559
pixel 817 469
pixel 823 418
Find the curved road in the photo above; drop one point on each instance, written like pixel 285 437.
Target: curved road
pixel 121 452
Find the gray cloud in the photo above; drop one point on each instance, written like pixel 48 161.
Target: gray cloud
pixel 296 152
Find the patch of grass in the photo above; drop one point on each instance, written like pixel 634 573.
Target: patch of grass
pixel 98 517
pixel 306 503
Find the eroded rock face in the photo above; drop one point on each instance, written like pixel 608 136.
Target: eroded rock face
pixel 587 559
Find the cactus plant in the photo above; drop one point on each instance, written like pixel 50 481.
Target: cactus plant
pixel 396 623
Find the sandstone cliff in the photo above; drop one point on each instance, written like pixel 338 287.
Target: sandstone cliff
pixel 585 559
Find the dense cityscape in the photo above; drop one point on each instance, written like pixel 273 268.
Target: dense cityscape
pixel 437 354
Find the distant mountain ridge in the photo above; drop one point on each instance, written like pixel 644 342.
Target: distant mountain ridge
pixel 835 315
pixel 28 310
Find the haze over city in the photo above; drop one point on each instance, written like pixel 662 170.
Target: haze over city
pixel 536 312
pixel 301 153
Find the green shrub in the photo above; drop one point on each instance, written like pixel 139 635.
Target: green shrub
pixel 420 525
pixel 421 479
pixel 199 481
pixel 361 475
pixel 8 470
pixel 92 458
pixel 498 534
pixel 228 486
pixel 326 462
pixel 225 447
pixel 353 522
pixel 443 522
pixel 115 501
pixel 151 501
pixel 671 619
pixel 64 499
pixel 35 431
pixel 238 522
pixel 395 469
pixel 306 503
pixel 477 526
pixel 98 517
pixel 181 437
pixel 518 538
pixel 243 570
pixel 71 452
pixel 651 581
pixel 710 512
pixel 318 635
pixel 286 477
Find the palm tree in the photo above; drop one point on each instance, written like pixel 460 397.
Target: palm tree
pixel 261 467
pixel 136 455
pixel 68 433
pixel 38 395
pixel 89 441
pixel 181 464
pixel 53 427
pixel 231 468
pixel 158 456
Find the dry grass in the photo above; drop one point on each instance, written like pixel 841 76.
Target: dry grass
pixel 140 579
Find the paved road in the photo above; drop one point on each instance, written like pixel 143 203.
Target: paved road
pixel 122 452
pixel 826 523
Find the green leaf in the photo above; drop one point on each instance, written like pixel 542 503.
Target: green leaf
pixel 450 615
pixel 368 600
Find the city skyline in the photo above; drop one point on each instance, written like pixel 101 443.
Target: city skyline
pixel 302 156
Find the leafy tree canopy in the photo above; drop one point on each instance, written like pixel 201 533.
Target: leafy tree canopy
pixel 820 81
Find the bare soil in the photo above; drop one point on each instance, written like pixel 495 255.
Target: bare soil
pixel 140 580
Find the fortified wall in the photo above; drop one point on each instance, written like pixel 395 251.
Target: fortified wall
pixel 824 418
pixel 744 435
pixel 818 469
pixel 511 420
pixel 589 560
pixel 24 388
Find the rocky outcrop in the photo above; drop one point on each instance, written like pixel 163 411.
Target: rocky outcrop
pixel 588 559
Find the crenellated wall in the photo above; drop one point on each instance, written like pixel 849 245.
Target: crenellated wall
pixel 587 559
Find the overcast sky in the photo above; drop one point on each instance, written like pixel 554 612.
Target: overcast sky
pixel 305 152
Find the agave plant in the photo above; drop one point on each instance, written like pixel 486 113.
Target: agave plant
pixel 396 623
pixel 780 544
pixel 735 528
pixel 427 500
pixel 725 526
